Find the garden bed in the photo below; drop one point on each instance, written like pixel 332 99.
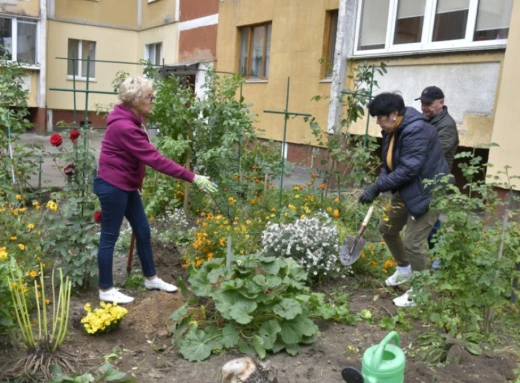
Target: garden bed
pixel 142 345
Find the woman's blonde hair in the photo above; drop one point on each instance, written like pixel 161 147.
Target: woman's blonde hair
pixel 133 88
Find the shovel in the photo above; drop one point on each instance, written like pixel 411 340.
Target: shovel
pixel 352 247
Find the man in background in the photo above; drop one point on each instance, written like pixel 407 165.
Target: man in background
pixel 433 108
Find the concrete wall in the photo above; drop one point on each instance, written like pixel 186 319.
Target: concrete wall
pixel 156 13
pixel 469 82
pixel 30 8
pixel 167 34
pixel 506 131
pixel 111 44
pixel 106 12
pixel 297 44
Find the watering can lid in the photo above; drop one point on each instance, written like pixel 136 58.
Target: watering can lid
pixel 373 357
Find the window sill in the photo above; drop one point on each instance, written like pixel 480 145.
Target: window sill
pixel 326 80
pixel 255 81
pixel 24 66
pixel 81 79
pixel 410 52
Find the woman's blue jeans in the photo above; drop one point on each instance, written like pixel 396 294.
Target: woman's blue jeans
pixel 116 204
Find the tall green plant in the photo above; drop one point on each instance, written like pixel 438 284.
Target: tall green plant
pixel 350 159
pixel 71 234
pixel 478 251
pixel 20 160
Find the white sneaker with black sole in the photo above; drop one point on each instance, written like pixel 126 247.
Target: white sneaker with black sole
pixel 401 275
pixel 114 296
pixel 158 284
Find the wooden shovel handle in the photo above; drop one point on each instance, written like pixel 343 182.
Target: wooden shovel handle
pixel 366 220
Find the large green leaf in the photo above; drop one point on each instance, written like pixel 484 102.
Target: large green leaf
pixel 240 310
pixel 268 332
pixel 230 336
pixel 258 345
pixel 196 346
pixel 294 330
pixel 288 308
pixel 180 313
pixel 245 348
pixel 292 349
pixel 217 273
pixel 272 267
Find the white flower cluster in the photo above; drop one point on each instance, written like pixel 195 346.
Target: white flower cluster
pixel 174 226
pixel 312 242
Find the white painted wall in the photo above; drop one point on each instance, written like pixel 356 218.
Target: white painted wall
pixel 468 88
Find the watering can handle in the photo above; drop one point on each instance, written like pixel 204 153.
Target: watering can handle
pixel 378 354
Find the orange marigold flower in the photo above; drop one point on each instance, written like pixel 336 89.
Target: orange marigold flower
pixel 329 209
pixel 372 263
pixel 237 176
pixel 323 186
pixel 388 264
pixel 336 200
pixel 252 202
pixel 314 175
pixel 309 184
pixel 371 247
pixel 335 214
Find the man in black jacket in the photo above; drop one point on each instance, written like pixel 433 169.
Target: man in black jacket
pixel 411 153
pixel 432 106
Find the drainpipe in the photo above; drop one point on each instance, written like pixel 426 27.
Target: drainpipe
pixel 42 57
pixel 344 43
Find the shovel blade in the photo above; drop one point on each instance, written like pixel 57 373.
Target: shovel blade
pixel 348 253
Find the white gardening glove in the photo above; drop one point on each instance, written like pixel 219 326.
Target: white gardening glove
pixel 204 184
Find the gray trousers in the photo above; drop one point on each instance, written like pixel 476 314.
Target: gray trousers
pixel 412 249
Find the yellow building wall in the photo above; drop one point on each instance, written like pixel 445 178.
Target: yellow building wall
pixel 167 34
pixel 111 44
pixel 297 44
pixel 475 128
pixel 506 131
pixel 106 12
pixel 33 80
pixel 157 13
pixel 29 8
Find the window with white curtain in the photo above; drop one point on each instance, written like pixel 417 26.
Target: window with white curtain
pixel 386 26
pixel 81 50
pixel 153 53
pixel 255 47
pixel 18 39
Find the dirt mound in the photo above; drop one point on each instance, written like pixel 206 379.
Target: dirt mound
pixel 150 314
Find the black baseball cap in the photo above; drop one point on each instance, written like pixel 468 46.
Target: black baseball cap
pixel 430 94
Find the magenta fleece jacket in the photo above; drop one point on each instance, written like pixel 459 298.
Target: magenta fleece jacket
pixel 126 150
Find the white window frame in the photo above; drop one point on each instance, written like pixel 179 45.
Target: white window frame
pixel 426 45
pixel 14 39
pixel 147 55
pixel 80 62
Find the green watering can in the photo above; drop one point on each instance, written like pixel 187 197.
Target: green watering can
pixel 382 363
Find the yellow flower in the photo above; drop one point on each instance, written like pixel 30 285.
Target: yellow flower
pixel 21 246
pixel 47 301
pixel 297 196
pixel 248 222
pixel 152 219
pixel 15 211
pixel 329 209
pixel 52 206
pixel 18 197
pixel 292 207
pixel 13 238
pixel 388 264
pixel 303 217
pixel 232 201
pixel 31 273
pixel 21 210
pixel 3 253
pixel 30 226
pixel 336 200
pixel 335 214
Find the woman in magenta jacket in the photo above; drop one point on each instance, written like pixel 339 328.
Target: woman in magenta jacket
pixel 125 152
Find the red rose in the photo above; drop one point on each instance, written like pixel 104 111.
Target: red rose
pixel 97 216
pixel 56 140
pixel 74 134
pixel 69 170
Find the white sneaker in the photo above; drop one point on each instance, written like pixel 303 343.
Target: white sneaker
pixel 401 275
pixel 114 296
pixel 405 300
pixel 158 284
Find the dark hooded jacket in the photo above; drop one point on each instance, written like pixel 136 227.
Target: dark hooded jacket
pixel 448 134
pixel 417 156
